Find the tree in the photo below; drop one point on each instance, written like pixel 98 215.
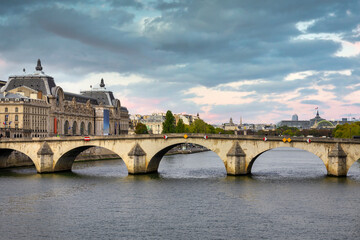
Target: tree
pixel 169 123
pixel 141 129
pixel 347 130
pixel 180 127
pixel 198 126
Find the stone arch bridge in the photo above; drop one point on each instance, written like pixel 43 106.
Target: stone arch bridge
pixel 143 153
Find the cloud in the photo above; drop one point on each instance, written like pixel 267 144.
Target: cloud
pixel 213 96
pixel 111 80
pixel 322 74
pixel 259 60
pixel 299 75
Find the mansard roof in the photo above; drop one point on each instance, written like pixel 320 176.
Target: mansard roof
pixel 2 83
pixel 12 95
pixel 37 81
pixel 104 97
pixel 80 98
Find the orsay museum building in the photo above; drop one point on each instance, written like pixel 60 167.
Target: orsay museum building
pixel 32 105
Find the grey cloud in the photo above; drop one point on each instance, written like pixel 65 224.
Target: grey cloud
pixel 216 41
pixel 343 17
pixel 314 102
pixel 127 3
pixel 308 91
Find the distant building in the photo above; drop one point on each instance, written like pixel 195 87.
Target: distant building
pixel 230 126
pixel 295 117
pixel 187 119
pixel 32 105
pixel 154 123
pixel 316 122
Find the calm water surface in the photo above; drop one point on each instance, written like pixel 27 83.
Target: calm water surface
pixel 288 196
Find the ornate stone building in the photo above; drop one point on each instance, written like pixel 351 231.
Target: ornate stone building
pixel 316 122
pixel 32 105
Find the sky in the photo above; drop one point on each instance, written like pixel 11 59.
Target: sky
pixel 261 61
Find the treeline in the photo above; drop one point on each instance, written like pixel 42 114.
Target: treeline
pixel 293 131
pixel 170 126
pixel 341 131
pixel 347 130
pixel 199 126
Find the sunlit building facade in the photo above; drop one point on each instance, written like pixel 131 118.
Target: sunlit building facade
pixel 32 105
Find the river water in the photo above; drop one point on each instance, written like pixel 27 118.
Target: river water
pixel 288 196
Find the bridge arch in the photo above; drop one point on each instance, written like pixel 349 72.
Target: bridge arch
pixel 5 154
pixel 155 159
pixel 253 159
pixel 65 161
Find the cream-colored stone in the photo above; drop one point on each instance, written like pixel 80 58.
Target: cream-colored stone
pixel 65 150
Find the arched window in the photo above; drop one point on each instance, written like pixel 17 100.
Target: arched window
pixel 6 109
pixel 16 118
pixel 89 129
pixel 66 127
pixel 16 109
pixel 74 128
pixel 82 128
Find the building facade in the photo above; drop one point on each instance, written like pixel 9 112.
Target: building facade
pixel 314 123
pixel 32 105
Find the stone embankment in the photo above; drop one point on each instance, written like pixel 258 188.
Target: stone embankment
pixel 96 153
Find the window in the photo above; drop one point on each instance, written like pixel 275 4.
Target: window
pixel 16 118
pixel 16 125
pixel 6 109
pixel 16 109
pixel 6 118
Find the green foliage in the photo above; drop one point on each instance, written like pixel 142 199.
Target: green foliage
pixel 347 130
pixel 293 131
pixel 169 123
pixel 288 131
pixel 141 129
pixel 198 126
pixel 180 127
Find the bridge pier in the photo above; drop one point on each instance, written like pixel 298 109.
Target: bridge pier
pixel 236 161
pixel 337 162
pixel 45 159
pixel 137 160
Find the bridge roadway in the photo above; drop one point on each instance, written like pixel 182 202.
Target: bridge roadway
pixel 143 153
